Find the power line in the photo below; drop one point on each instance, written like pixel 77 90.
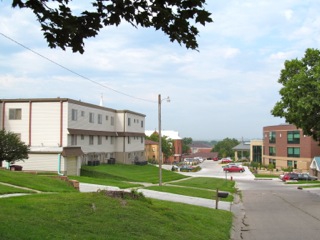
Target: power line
pixel 73 72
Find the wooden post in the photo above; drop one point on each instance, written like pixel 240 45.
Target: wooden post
pixel 217 198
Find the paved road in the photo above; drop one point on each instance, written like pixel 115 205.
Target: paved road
pixel 273 210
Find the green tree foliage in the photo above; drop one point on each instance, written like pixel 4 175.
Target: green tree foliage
pixel 65 27
pixel 300 102
pixel 11 147
pixel 186 144
pixel 224 147
pixel 166 144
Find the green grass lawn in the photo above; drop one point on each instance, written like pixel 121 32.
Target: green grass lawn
pixel 312 186
pixel 201 193
pixel 199 187
pixel 266 176
pixel 130 173
pixel 208 183
pixel 105 181
pixel 7 190
pixel 304 182
pixel 97 216
pixel 36 182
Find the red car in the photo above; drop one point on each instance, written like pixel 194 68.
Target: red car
pixel 226 160
pixel 290 176
pixel 234 169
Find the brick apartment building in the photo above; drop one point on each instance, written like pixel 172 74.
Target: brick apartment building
pixel 286 146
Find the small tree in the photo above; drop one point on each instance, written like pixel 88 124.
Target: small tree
pixel 185 144
pixel 11 147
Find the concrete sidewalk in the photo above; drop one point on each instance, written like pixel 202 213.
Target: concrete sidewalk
pixel 86 187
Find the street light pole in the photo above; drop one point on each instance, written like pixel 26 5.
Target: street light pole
pixel 160 136
pixel 160 140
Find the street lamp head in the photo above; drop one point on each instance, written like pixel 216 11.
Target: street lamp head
pixel 168 99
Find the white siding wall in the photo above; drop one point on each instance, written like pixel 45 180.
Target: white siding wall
pixel 18 126
pixel 135 123
pixel 42 162
pixel 82 122
pixel 135 144
pixel 45 124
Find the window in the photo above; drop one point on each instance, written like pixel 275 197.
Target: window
pixel 74 114
pixel 129 121
pixel 99 119
pixel 141 139
pixel 112 121
pixel 291 163
pixel 82 137
pixel 15 113
pixel 273 162
pixel 99 140
pixel 112 140
pixel 142 124
pixel 107 117
pixel 272 151
pixel 293 137
pixel 257 154
pixel 293 151
pixel 91 117
pixel 129 140
pixel 90 140
pixel 82 113
pixel 73 140
pixel 272 137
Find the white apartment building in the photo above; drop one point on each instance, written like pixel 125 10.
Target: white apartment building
pixel 64 134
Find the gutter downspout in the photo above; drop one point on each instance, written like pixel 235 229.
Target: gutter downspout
pixel 59 165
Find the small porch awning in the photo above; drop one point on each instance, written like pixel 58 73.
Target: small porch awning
pixel 315 164
pixel 72 152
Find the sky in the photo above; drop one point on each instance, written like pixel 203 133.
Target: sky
pixel 226 89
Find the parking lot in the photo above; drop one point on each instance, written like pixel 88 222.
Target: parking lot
pixel 210 168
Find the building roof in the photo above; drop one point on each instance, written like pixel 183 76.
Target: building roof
pixel 199 145
pixel 78 102
pixel 72 152
pixel 174 135
pixel 315 164
pixel 242 146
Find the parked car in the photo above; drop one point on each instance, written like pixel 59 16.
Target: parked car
pixel 186 168
pixel 306 176
pixel 215 159
pixel 233 168
pixel 226 160
pixel 290 176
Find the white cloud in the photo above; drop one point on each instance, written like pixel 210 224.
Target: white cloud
pixel 225 90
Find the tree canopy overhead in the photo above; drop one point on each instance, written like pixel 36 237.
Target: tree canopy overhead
pixel 300 102
pixel 64 27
